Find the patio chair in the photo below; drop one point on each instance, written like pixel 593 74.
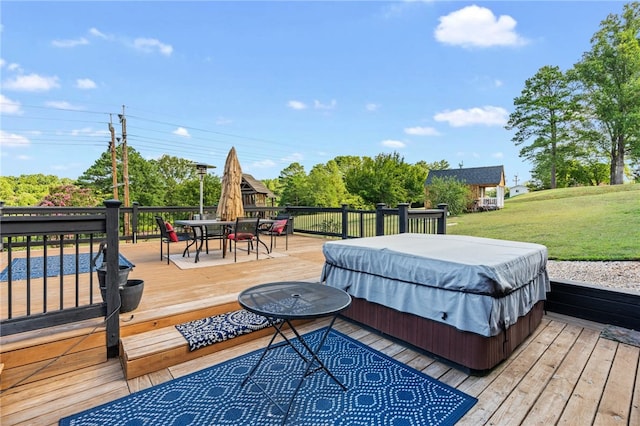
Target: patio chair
pixel 245 230
pixel 274 230
pixel 214 232
pixel 168 235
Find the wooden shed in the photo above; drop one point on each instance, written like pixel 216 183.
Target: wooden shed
pixel 255 193
pixel 479 179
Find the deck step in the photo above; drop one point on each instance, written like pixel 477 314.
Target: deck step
pixel 154 350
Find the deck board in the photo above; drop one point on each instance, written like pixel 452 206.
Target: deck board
pixel 565 373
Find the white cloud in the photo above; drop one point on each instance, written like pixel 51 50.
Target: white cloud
pixel 23 157
pixel 2 63
pixel 31 83
pixel 89 131
pixel 498 83
pixel 85 83
pixel 181 131
pixel 63 105
pixel 14 67
pixel 498 155
pixel 263 164
pixel 421 131
pixel 97 33
pixel 371 107
pixel 320 105
pixel 389 143
pixel 9 107
pixel 292 158
pixel 296 105
pixel 475 26
pixel 150 45
pixel 12 140
pixel 70 42
pixel 487 115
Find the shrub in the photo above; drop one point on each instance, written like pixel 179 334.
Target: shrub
pixel 456 194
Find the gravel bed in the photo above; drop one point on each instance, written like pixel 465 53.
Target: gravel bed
pixel 622 275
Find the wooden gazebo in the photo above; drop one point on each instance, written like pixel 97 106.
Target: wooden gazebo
pixel 255 193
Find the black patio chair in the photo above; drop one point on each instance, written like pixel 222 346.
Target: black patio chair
pixel 246 230
pixel 168 235
pixel 217 232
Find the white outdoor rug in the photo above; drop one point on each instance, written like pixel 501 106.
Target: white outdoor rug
pixel 214 258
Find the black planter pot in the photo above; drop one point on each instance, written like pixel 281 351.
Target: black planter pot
pixel 130 295
pixel 123 274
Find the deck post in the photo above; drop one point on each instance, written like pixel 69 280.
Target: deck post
pixel 134 222
pixel 379 219
pixel 111 279
pixel 345 221
pixel 403 217
pixel 442 223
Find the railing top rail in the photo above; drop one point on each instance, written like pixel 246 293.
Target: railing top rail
pixel 11 226
pixel 313 209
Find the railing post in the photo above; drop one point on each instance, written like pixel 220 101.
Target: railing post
pixel 442 223
pixel 403 217
pixel 379 219
pixel 1 242
pixel 134 222
pixel 111 278
pixel 345 222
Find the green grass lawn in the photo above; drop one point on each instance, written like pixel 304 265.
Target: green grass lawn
pixel 586 223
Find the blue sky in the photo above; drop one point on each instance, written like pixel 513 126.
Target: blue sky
pixel 281 81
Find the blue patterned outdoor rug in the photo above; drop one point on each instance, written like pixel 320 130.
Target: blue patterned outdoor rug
pixel 380 391
pixel 19 266
pixel 218 328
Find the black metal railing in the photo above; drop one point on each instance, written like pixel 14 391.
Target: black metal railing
pixel 336 222
pixel 66 231
pixel 34 302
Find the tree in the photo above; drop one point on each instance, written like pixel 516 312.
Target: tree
pixel 295 187
pixel 28 190
pixel 609 76
pixel 543 117
pixel 145 181
pixel 7 193
pixel 187 193
pixel 70 196
pixel 379 180
pixel 326 186
pixel 181 183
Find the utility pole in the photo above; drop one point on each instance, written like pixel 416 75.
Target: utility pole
pixel 125 169
pixel 516 180
pixel 114 164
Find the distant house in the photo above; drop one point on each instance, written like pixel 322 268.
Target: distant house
pixel 255 193
pixel 479 179
pixel 518 190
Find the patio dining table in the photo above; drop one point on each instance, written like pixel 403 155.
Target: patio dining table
pixel 202 225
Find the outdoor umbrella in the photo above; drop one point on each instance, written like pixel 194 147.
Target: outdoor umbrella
pixel 230 205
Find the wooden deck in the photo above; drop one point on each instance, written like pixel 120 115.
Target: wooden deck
pixel 564 374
